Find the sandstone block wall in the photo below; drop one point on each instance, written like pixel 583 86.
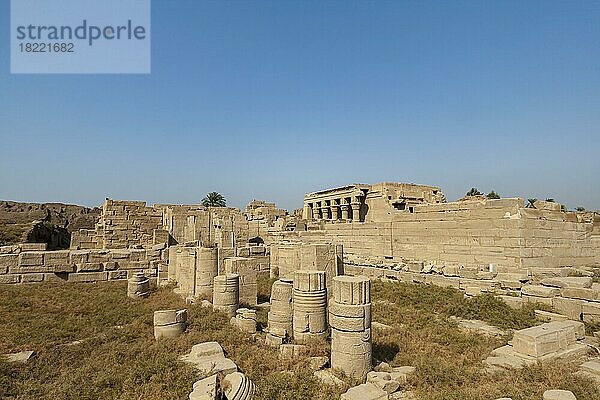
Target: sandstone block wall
pixel 18 266
pixel 125 223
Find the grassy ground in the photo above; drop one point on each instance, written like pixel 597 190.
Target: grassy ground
pixel 118 357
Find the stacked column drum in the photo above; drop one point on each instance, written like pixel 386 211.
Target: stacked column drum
pixel 350 320
pixel 226 293
pixel 280 314
pixel 310 305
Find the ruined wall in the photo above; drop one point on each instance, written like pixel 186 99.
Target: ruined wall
pixel 470 233
pixel 126 223
pixel 18 264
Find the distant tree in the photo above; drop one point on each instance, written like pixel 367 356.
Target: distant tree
pixel 550 200
pixel 563 208
pixel 580 209
pixel 214 199
pixel 531 202
pixel 493 195
pixel 474 192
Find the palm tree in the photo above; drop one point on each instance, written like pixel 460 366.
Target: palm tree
pixel 550 200
pixel 530 203
pixel 214 199
pixel 580 209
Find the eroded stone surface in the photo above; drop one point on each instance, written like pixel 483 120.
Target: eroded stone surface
pixel 208 358
pixel 559 395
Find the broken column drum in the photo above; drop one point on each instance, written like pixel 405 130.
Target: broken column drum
pixel 350 320
pixel 309 305
pixel 226 293
pixel 207 267
pixel 280 313
pixel 138 286
pixel 169 323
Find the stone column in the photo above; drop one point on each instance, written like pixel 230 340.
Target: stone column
pixel 335 210
pixel 355 212
pixel 309 305
pixel 317 211
pixel 345 208
pixel 350 320
pixel 138 286
pixel 169 323
pixel 326 212
pixel 207 267
pixel 280 314
pixel 226 293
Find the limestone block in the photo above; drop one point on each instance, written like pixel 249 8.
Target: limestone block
pixel 237 386
pixel 550 337
pixel 8 262
pixel 31 258
pixel 205 389
pixel 549 316
pixel 115 275
pixel 568 282
pixel 33 246
pixel 327 377
pixel 20 357
pixel 207 267
pixel 110 265
pixel 402 374
pixel 55 277
pixel 138 286
pixel 540 291
pixel 513 302
pixel 591 312
pixel 366 391
pixel 383 380
pixel 592 367
pixel 581 293
pixel 32 278
pixel 88 277
pixel 558 395
pixel 79 256
pixel 226 293
pixel 209 358
pixel 572 308
pixel 169 323
pixel 89 267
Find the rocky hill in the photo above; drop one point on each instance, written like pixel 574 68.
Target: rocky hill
pixel 51 223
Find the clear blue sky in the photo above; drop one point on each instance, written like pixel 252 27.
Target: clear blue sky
pixel 273 99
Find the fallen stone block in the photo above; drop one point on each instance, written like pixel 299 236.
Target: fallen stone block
pixel 559 395
pixel 512 301
pixel 319 362
pixel 568 282
pixel 205 389
pixel 402 374
pixel 540 291
pixel 327 377
pixel 32 278
pixel 20 357
pixel 208 358
pixel 383 380
pixel 547 316
pixel 366 391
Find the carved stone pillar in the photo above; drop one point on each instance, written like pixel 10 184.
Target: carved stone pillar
pixel 345 214
pixel 350 320
pixel 355 212
pixel 335 210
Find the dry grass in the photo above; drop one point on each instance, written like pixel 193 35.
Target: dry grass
pixel 119 358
